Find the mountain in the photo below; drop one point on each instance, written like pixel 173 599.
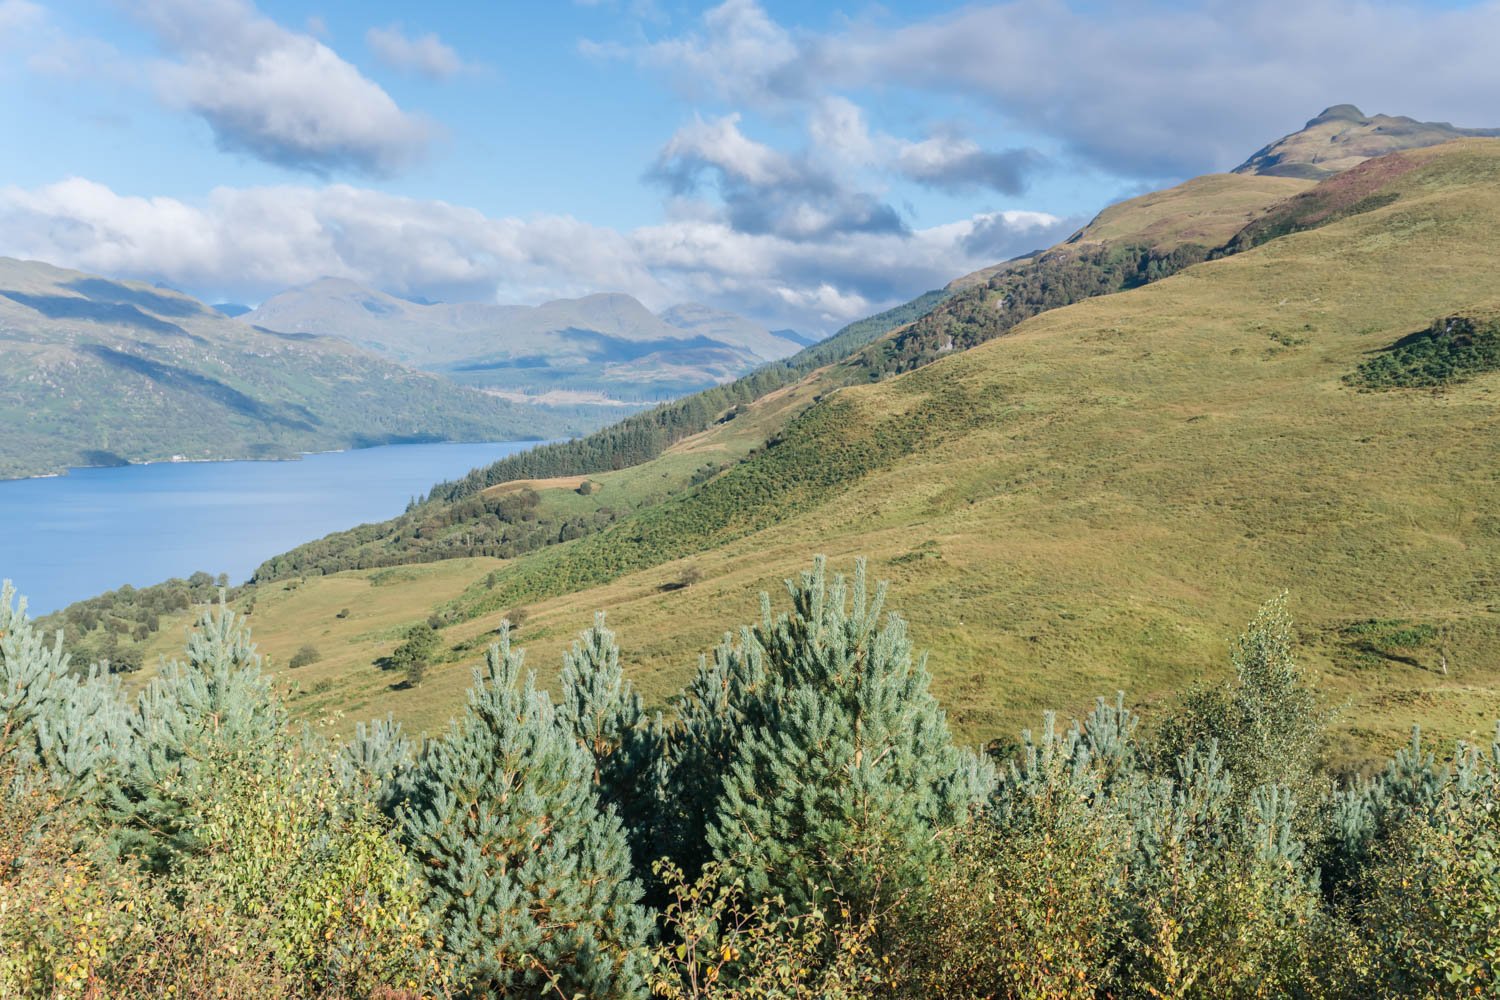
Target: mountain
pixel 1083 472
pixel 1342 137
pixel 606 343
pixel 233 310
pixel 100 372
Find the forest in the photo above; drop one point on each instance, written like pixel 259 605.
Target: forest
pixel 798 823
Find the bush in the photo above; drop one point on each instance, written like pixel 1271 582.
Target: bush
pixel 415 654
pixel 721 946
pixel 1450 350
pixel 306 656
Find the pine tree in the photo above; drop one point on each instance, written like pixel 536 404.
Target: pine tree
pixel 66 730
pixel 377 761
pixel 529 877
pixel 702 743
pixel 846 777
pixel 601 709
pixel 195 720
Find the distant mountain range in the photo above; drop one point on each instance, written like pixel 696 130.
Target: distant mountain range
pixel 605 343
pixel 97 372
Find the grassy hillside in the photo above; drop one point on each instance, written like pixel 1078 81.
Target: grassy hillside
pixel 99 372
pixel 1098 499
pixel 1206 211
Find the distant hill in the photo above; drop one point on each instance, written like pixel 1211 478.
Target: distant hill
pixel 231 309
pixel 102 372
pixel 606 343
pixel 1342 137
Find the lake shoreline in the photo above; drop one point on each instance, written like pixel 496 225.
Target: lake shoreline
pixel 299 456
pixel 102 527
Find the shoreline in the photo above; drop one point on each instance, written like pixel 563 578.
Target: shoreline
pixel 299 456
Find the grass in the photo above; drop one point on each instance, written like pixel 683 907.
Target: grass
pixel 1125 481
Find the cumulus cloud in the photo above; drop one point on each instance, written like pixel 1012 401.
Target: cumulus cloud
pixel 947 159
pixel 279 95
pixel 956 163
pixel 765 191
pixel 425 55
pixel 1152 89
pixel 248 243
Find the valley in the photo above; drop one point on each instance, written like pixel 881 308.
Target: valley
pixel 747 501
pixel 1089 502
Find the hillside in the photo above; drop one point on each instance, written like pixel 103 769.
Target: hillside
pixel 606 343
pixel 1343 137
pixel 1097 498
pixel 1205 212
pixel 100 372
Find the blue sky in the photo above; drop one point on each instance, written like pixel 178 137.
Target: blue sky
pixel 803 163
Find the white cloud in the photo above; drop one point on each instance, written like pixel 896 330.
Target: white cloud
pixel 1146 89
pixel 426 55
pixel 740 54
pixel 720 143
pixel 764 190
pixel 248 243
pixel 278 95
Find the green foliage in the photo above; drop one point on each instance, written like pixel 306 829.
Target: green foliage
pixel 845 778
pixel 110 628
pixel 189 729
pixel 1270 724
pixel 826 837
pixel 1422 901
pixel 602 711
pixel 820 452
pixel 729 949
pixel 1450 350
pixel 1351 192
pixel 457 520
pixel 71 730
pixel 418 648
pixel 529 886
pixel 1055 279
pixel 706 733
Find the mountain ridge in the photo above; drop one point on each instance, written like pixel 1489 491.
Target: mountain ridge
pixel 1343 136
pixel 600 342
pixel 100 371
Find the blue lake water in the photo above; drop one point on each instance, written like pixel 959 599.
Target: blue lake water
pixel 92 530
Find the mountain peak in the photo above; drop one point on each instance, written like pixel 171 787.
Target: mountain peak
pixel 1339 113
pixel 1343 136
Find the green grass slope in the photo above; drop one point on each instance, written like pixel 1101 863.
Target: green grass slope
pixel 1098 499
pixel 102 372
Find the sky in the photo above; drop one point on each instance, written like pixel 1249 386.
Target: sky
pixel 803 163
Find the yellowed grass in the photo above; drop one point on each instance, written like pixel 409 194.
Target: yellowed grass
pixel 1161 462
